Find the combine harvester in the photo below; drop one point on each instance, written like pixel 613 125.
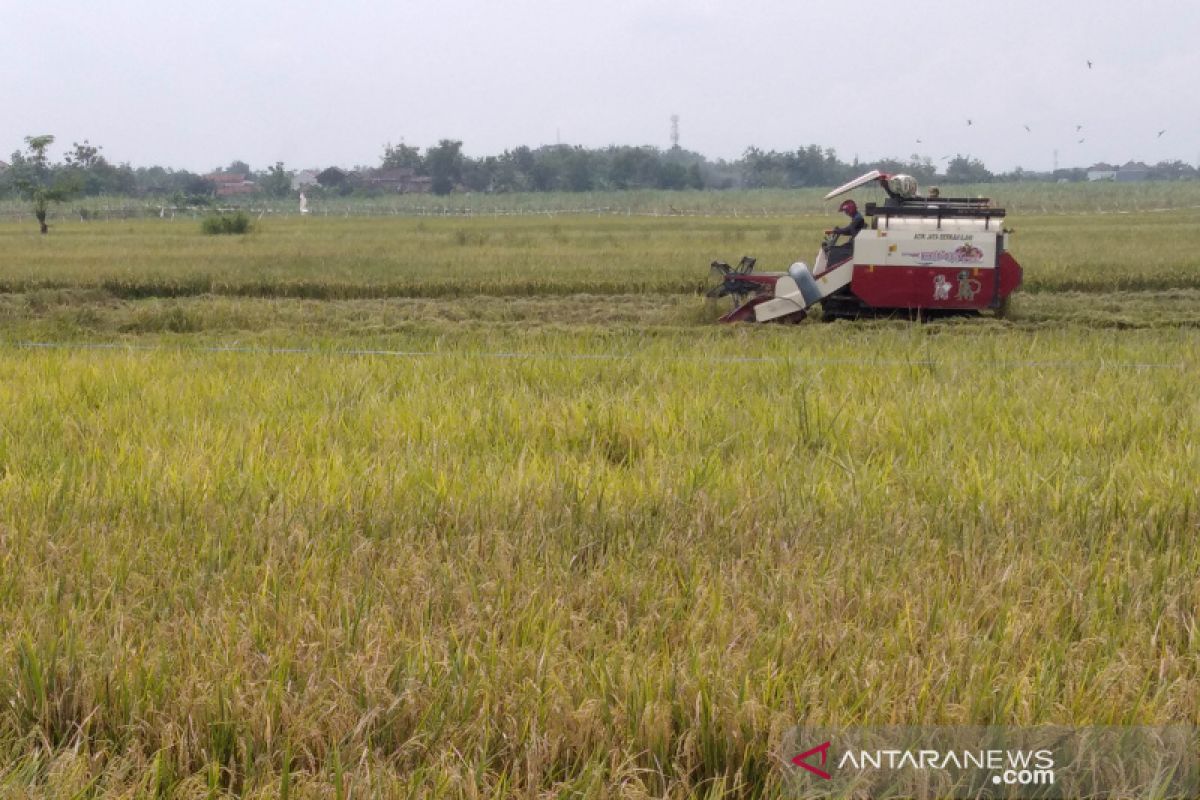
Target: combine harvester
pixel 918 256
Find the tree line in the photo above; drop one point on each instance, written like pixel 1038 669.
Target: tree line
pixel 84 170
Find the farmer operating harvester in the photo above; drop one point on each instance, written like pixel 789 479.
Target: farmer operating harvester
pixel 919 255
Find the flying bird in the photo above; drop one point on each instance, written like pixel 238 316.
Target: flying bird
pixel 1081 141
pixel 945 158
pixel 1027 128
pixel 1160 133
pixel 919 141
pixel 969 122
pixel 1078 128
pixel 1089 64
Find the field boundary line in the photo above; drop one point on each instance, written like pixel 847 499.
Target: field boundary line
pixel 532 356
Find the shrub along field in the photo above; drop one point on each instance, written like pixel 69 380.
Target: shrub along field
pixel 488 507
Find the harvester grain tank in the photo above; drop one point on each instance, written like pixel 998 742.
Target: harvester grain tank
pixel 926 255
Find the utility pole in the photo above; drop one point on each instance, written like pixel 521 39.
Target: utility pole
pixel 674 131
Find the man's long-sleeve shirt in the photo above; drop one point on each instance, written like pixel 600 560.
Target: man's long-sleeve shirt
pixel 856 224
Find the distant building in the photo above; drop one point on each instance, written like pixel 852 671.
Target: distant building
pixel 1133 171
pixel 230 184
pixel 1102 172
pixel 3 166
pixel 402 180
pixel 332 176
pixel 303 179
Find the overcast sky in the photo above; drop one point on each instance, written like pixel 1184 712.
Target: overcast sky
pixel 196 85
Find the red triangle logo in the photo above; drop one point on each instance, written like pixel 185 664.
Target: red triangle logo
pixel 802 760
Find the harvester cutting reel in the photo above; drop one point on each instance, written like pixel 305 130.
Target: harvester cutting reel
pixel 749 290
pixel 734 282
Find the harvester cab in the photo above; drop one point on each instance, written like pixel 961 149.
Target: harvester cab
pixel 931 255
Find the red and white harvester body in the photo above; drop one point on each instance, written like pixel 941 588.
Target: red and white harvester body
pixel 917 255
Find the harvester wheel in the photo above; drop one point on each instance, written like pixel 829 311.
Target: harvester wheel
pixel 841 305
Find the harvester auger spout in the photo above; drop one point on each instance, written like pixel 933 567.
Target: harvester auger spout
pixel 928 255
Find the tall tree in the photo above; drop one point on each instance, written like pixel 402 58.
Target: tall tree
pixel 445 163
pixel 38 183
pixel 963 169
pixel 633 167
pixel 277 182
pixel 672 175
pixel 84 156
pixel 403 156
pixel 89 168
pixel 578 170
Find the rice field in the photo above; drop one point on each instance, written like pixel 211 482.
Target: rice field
pixel 488 507
pixel 1026 197
pixel 523 257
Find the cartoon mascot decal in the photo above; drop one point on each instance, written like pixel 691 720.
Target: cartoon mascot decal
pixel 968 287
